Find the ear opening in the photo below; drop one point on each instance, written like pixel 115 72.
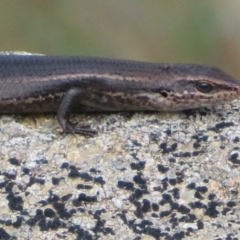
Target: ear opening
pixel 164 94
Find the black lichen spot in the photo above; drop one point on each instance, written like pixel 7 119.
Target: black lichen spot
pixel 5 236
pixel 164 213
pixel 137 194
pixel 162 202
pixel 137 238
pixel 154 215
pixel 153 137
pixel 225 211
pixel 191 217
pixel 40 181
pixel 162 169
pixel 231 204
pixel 82 210
pixel 202 189
pixel 172 181
pixel 84 186
pixel 134 155
pixel 186 154
pixel 86 177
pixel 99 180
pixel 221 125
pixel 197 153
pixel 139 180
pixel 174 205
pixel 168 132
pixel 81 233
pixel 66 197
pixel 53 198
pixel 42 161
pixel 176 193
pixel 167 197
pixel 136 203
pixel 164 183
pixel 174 146
pixel 14 161
pixel 43 225
pixel 172 160
pixel 73 173
pixel 233 156
pixel 48 212
pixel 234 192
pixel 9 186
pixel 236 139
pixel 158 188
pixel 93 170
pixel 173 220
pixel 155 207
pixel 204 138
pixel 11 176
pixel 59 206
pixel 178 235
pixel 7 222
pixel 163 145
pixel 123 217
pixel 200 224
pixel 55 181
pixel 64 165
pixel 146 207
pixel 56 223
pixel 138 213
pixel 164 148
pixel 179 179
pixel 197 204
pixel 82 197
pixel 18 223
pixel 25 170
pixel 144 228
pixel 108 230
pixel 64 214
pixel 125 185
pixel 196 145
pixel 96 215
pixel 198 195
pixel 191 185
pixel 183 209
pixel 196 137
pixel 136 143
pixel 15 203
pixel 138 166
pixel 211 210
pixel 31 222
pixel 211 196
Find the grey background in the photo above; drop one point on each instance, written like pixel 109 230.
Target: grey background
pixel 204 32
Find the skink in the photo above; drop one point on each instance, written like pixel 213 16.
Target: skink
pixel 32 83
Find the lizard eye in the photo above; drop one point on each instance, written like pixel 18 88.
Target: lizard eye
pixel 204 87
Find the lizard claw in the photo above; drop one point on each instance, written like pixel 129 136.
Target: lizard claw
pixel 69 127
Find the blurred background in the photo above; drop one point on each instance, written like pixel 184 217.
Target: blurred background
pixel 205 32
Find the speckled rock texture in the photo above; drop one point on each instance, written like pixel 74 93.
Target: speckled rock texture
pixel 144 176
